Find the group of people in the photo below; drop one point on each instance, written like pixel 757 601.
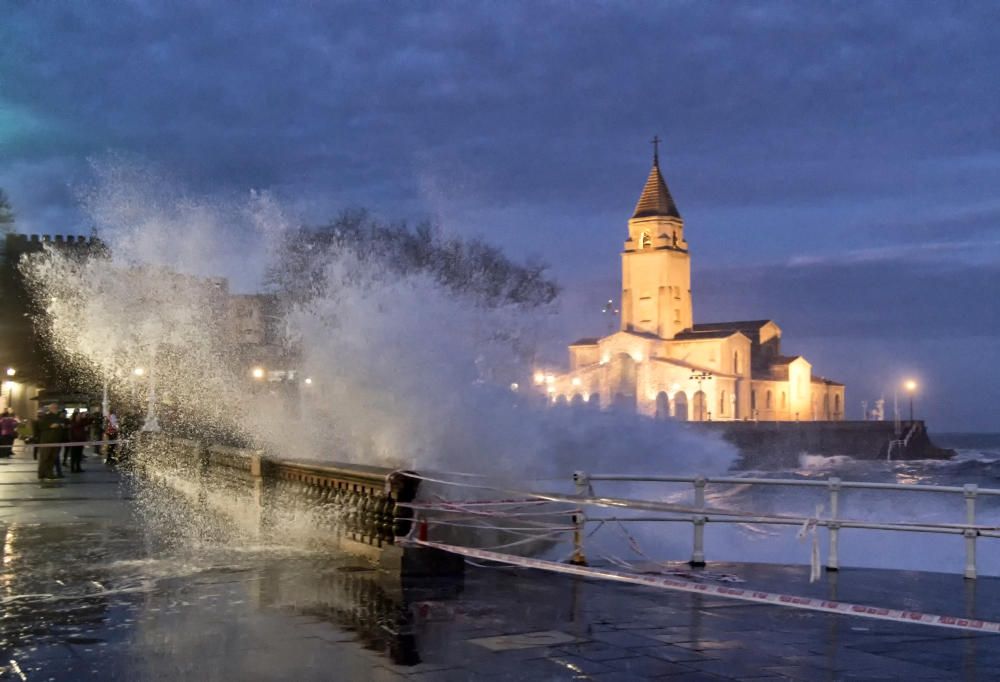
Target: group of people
pixel 58 438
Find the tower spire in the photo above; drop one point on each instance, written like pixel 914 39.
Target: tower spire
pixel 655 199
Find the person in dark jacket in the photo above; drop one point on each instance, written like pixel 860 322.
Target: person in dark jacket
pixel 79 430
pixel 50 428
pixel 8 432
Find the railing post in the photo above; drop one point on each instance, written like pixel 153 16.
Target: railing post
pixel 971 489
pixel 833 528
pixel 698 553
pixel 582 482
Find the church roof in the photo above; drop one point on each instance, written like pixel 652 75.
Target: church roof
pixel 824 380
pixel 782 359
pixel 697 334
pixel 587 341
pixel 655 199
pixel 740 325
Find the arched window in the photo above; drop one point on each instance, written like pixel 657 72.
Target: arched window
pixel 753 400
pixel 662 406
pixel 644 241
pixel 836 404
pixel 767 404
pixel 783 401
pixel 736 362
pixel 722 402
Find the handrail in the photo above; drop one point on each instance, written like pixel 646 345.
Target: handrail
pixel 734 480
pixel 701 513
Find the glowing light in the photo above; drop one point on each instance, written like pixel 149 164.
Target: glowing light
pixel 139 371
pixel 550 379
pixel 514 386
pixel 11 371
pixel 552 389
pixel 637 357
pixel 309 381
pixel 586 397
pixel 605 359
pixel 576 381
pixel 910 385
pixel 539 377
pixel 257 372
pixel 675 387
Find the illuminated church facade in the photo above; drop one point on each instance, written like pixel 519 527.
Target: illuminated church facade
pixel 661 363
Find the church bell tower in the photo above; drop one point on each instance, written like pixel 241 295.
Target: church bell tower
pixel 656 268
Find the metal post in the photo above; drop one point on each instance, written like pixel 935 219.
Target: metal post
pixel 970 534
pixel 698 553
pixel 833 528
pixel 582 482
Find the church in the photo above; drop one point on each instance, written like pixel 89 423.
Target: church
pixel 662 364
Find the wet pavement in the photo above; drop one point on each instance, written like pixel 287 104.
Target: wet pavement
pixel 104 580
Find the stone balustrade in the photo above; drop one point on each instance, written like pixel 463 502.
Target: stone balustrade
pixel 355 507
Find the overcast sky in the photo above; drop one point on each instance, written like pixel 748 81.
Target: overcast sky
pixel 837 164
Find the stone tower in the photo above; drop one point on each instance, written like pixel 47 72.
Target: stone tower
pixel 656 268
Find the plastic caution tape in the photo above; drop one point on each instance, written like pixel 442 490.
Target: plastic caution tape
pixel 756 596
pixel 22 444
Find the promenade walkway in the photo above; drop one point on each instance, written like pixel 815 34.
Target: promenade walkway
pixel 100 580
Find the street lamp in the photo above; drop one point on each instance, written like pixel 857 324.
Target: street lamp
pixel 139 371
pixel 309 381
pixel 257 373
pixel 11 371
pixel 911 388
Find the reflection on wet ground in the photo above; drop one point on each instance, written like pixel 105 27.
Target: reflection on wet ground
pixel 99 582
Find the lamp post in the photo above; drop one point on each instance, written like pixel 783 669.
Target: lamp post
pixel 152 422
pixel 700 377
pixel 911 388
pixel 611 312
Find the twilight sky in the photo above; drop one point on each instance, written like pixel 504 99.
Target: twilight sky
pixel 837 164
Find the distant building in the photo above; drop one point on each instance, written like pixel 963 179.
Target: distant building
pixel 661 363
pixel 248 324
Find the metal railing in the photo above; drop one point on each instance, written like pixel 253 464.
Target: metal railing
pixel 834 523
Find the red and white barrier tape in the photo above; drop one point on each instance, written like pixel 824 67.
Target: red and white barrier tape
pixel 22 444
pixel 756 596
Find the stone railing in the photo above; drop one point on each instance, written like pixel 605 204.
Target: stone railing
pixel 355 507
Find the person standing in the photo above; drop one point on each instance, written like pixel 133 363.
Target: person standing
pixel 51 428
pixel 79 427
pixel 26 434
pixel 8 432
pixel 111 430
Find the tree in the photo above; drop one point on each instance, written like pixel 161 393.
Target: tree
pixel 468 267
pixel 6 213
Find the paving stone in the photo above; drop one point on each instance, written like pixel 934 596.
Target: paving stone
pixel 596 651
pixel 624 638
pixel 525 640
pixel 646 666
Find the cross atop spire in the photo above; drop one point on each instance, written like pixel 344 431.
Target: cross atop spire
pixel 656 150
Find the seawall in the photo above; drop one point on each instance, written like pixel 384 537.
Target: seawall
pixel 778 444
